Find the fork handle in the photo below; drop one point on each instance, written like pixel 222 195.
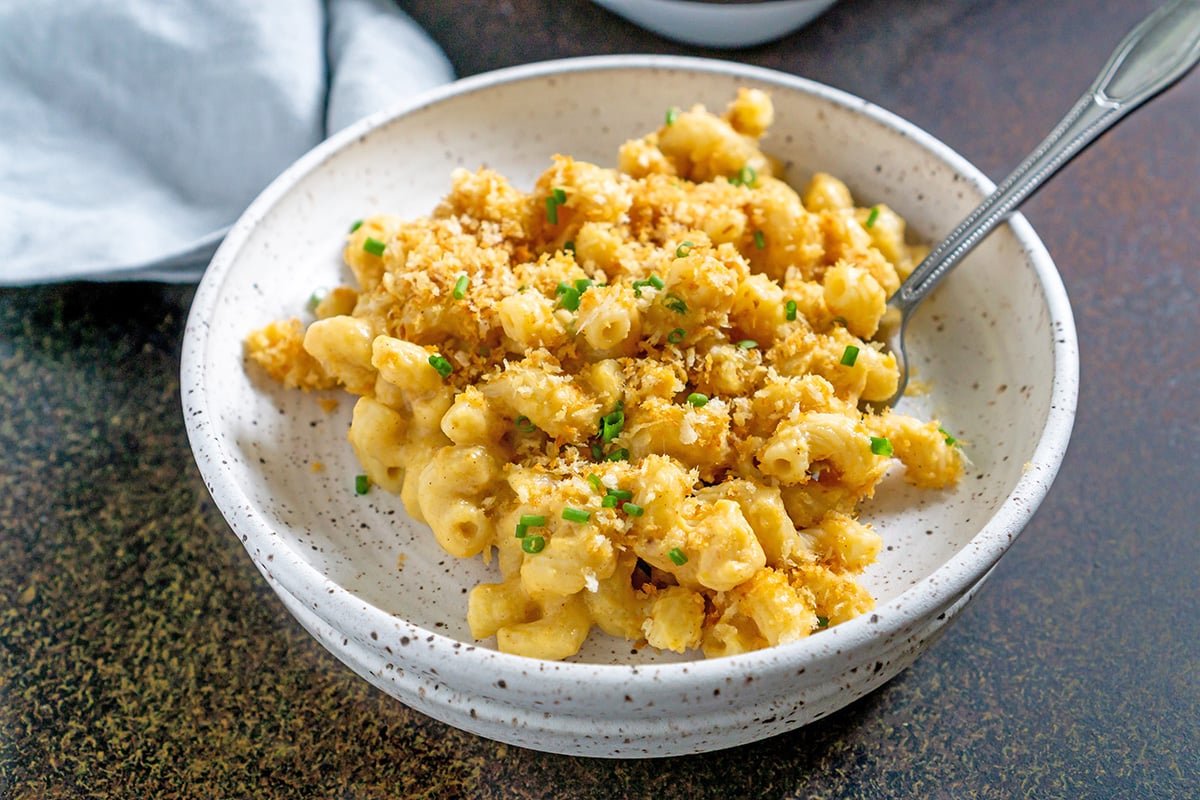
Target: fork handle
pixel 1155 54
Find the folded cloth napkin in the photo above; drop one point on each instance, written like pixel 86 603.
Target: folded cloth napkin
pixel 134 132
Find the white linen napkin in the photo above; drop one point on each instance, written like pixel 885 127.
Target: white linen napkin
pixel 134 132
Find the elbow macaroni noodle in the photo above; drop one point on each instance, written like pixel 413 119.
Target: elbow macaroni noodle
pixel 639 387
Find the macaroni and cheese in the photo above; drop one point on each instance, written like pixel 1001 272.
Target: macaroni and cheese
pixel 643 388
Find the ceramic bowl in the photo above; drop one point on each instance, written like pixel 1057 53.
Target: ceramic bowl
pixel 719 23
pixel 996 344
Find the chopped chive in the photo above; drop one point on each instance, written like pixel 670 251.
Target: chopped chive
pixel 597 453
pixel 524 424
pixel 683 249
pixel 569 247
pixel 618 455
pixel 746 177
pixel 872 216
pixel 672 115
pixel 849 355
pixel 676 336
pixel 443 367
pixel 747 344
pixel 533 520
pixel 675 303
pixel 374 246
pixel 789 310
pixel 555 199
pixel 594 480
pixel 568 297
pixel 522 531
pixel 608 501
pixel 760 241
pixel 677 556
pixel 697 399
pixel 839 321
pixel 611 429
pixel 822 622
pixel 880 446
pixel 620 494
pixel 362 484
pixel 950 440
pixel 576 514
pixel 653 280
pixel 583 284
pixel 355 225
pixel 633 509
pixel 460 287
pixel 315 299
pixel 533 544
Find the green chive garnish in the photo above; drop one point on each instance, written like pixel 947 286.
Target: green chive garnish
pixel 524 424
pixel 608 501
pixel 822 622
pixel 839 321
pixel 594 480
pixel 880 446
pixel 568 247
pixel 362 484
pixel 443 367
pixel 697 399
pixel 849 355
pixel 760 241
pixel 576 514
pixel 675 303
pixel 747 344
pixel 872 216
pixel 355 225
pixel 618 455
pixel 789 310
pixel 950 440
pixel 676 336
pixel 621 494
pixel 653 280
pixel 597 453
pixel 374 246
pixel 633 509
pixel 460 287
pixel 556 198
pixel 746 177
pixel 677 556
pixel 315 299
pixel 533 520
pixel 612 423
pixel 568 296
pixel 683 249
pixel 522 530
pixel 533 544
pixel 672 115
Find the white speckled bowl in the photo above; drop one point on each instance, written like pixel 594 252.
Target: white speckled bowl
pixel 997 343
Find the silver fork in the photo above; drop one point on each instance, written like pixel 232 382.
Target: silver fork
pixel 1153 56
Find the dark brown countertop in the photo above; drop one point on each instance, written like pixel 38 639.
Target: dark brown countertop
pixel 141 654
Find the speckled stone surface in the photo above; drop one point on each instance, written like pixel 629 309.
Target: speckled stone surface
pixel 141 654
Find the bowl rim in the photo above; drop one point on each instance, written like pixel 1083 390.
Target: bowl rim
pixel 291 573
